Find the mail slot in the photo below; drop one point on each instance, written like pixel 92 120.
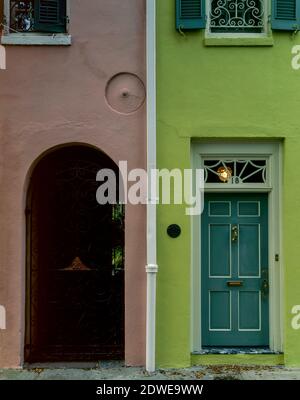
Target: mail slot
pixel 235 283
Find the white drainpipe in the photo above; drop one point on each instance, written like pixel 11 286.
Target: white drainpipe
pixel 151 267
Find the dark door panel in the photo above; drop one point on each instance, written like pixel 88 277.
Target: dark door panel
pixel 75 271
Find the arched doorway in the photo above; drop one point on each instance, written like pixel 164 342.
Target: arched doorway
pixel 75 261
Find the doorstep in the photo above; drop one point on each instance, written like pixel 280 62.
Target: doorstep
pixel 236 350
pixel 237 356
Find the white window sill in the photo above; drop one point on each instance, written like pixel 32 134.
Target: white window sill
pixel 238 40
pixel 36 39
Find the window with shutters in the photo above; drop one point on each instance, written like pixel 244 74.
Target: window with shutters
pixel 242 17
pixel 31 21
pixel 190 14
pixel 286 15
pixel 38 15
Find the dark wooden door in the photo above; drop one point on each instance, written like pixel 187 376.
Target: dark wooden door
pixel 75 271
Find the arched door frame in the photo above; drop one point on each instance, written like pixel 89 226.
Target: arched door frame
pixel 29 225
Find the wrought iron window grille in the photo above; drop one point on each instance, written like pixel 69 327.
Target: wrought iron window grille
pixel 237 16
pixel 21 15
pixel 44 16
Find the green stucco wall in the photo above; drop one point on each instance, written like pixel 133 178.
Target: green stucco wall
pixel 221 92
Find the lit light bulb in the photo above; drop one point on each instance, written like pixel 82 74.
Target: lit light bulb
pixel 225 173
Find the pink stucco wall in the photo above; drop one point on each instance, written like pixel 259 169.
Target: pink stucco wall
pixel 56 95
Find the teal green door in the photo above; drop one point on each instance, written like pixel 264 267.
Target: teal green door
pixel 234 270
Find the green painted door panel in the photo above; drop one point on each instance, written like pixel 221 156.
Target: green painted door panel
pixel 234 248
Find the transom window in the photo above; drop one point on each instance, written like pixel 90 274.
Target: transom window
pixel 237 16
pixel 47 16
pixel 235 171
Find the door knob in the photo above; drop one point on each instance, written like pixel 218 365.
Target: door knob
pixel 265 287
pixel 265 283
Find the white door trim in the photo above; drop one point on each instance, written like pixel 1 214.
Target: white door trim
pixel 273 151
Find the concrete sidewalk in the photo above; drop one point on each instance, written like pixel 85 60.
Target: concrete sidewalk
pixel 117 371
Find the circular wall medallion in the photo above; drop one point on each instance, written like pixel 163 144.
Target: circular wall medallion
pixel 125 93
pixel 174 231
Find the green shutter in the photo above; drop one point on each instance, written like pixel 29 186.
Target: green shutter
pixel 50 15
pixel 190 14
pixel 286 14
